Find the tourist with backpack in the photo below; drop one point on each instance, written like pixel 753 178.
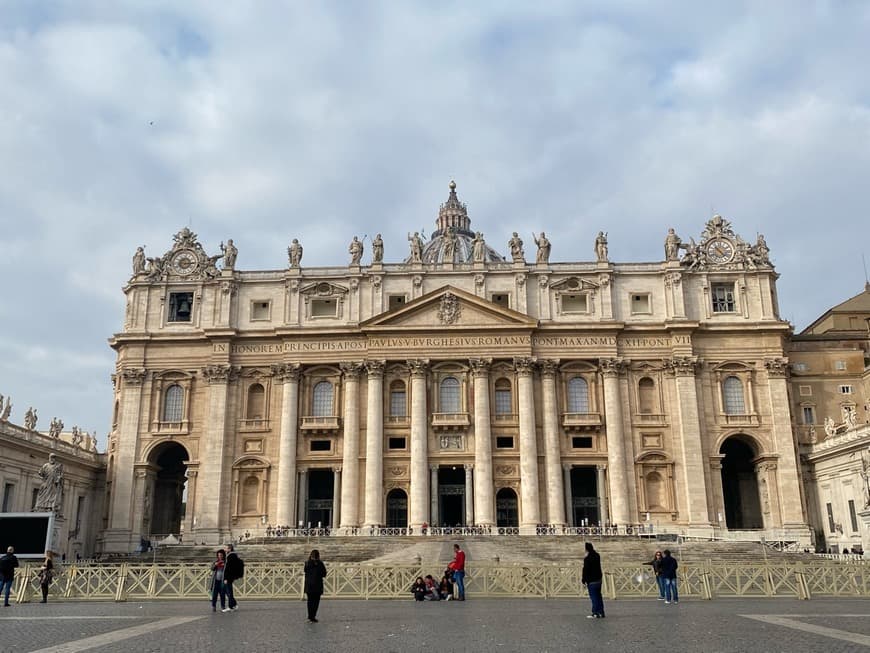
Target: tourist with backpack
pixel 234 568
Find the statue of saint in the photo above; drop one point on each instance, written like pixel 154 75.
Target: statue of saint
pixel 601 246
pixel 830 427
pixel 77 436
pixel 355 249
pixel 7 410
pixel 294 253
pixel 30 419
pixel 378 249
pixel 865 474
pixel 139 261
pixel 543 243
pixel 230 253
pixel 49 498
pixel 449 247
pixel 416 247
pixel 478 248
pixel 516 247
pixel 672 245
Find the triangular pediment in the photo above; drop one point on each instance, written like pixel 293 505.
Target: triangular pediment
pixel 450 308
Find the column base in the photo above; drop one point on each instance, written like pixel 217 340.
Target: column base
pixel 118 540
pixel 528 529
pixel 209 536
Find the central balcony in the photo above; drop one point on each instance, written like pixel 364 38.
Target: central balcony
pixel 324 424
pixel 450 421
pixel 580 421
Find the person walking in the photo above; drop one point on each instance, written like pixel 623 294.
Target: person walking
pixel 591 579
pixel 8 564
pixel 669 571
pixel 46 576
pixel 458 567
pixel 315 572
pixel 656 564
pixel 234 569
pixel 218 589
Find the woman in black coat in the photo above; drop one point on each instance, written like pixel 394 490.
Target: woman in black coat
pixel 315 572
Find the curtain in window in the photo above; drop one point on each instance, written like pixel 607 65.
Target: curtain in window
pixel 449 396
pixel 322 403
pixel 578 395
pixel 503 404
pixel 398 399
pixel 732 391
pixel 173 403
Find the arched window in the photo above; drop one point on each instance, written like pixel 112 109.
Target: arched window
pixel 173 402
pixel 322 404
pixel 449 396
pixel 503 404
pixel 578 395
pixel 732 393
pixel 256 402
pixel 646 395
pixel 398 399
pixel 250 490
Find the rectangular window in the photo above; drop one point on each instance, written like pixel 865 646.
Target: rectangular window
pixel 502 402
pixel 806 390
pixel 853 515
pixel 840 365
pixel 809 415
pixel 723 297
pixel 396 443
pixel 845 389
pixel 261 309
pixel 640 304
pixel 800 367
pixel 502 299
pixel 575 304
pixel 324 308
pixel 180 306
pixel 8 496
pixel 398 403
pixel 831 525
pixel 396 301
pixel 581 443
pixel 321 445
pixel 504 442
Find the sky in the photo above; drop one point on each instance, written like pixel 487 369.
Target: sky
pixel 122 122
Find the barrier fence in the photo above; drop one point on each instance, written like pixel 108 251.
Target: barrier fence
pixel 271 580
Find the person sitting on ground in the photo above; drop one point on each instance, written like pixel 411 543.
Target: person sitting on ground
pixel 431 589
pixel 418 589
pixel 445 587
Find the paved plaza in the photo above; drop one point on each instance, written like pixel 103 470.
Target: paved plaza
pixel 768 625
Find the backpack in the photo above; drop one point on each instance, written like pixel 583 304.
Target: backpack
pixel 241 568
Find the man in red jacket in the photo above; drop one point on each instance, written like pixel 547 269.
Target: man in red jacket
pixel 458 567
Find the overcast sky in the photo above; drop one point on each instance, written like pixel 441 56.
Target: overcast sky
pixel 121 122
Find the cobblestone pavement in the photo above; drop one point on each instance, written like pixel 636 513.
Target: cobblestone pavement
pixel 768 625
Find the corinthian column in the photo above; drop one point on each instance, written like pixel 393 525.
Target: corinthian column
pixel 484 503
pixel 419 509
pixel 552 450
pixel 289 376
pixel 350 460
pixel 693 481
pixel 616 464
pixel 374 503
pixel 531 510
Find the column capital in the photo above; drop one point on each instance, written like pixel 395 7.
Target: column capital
pixel 336 469
pixel 776 367
pixel 418 367
pixel 524 366
pixel 351 370
pixel 433 468
pixel 612 367
pixel 549 367
pixel 133 375
pixel 220 373
pixel 682 365
pixel 375 369
pixel 567 467
pixel 468 466
pixel 480 366
pixel 601 468
pixel 287 372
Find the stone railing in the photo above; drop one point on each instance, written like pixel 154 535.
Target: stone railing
pixel 271 580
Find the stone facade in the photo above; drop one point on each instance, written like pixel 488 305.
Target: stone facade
pixel 456 387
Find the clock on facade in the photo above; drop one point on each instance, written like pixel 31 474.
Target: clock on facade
pixel 184 262
pixel 720 250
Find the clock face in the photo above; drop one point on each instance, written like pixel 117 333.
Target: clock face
pixel 720 250
pixel 183 263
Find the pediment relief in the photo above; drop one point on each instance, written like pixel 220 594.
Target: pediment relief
pixel 449 308
pixel 251 462
pixel 323 289
pixel 172 375
pixel 575 284
pixel 654 458
pixel 733 366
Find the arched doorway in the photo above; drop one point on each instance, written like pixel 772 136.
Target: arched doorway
pixel 397 509
pixel 507 514
pixel 168 507
pixel 740 485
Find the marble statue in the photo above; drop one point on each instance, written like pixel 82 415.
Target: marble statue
pixel 139 261
pixel 849 417
pixel 378 249
pixel 449 247
pixel 416 247
pixel 865 474
pixel 478 248
pixel 830 427
pixel 55 428
pixel 516 247
pixel 294 253
pixel 7 410
pixel 355 249
pixel 30 418
pixel 759 253
pixel 77 436
pixel 543 243
pixel 672 245
pixel 601 246
pixel 49 498
pixel 230 252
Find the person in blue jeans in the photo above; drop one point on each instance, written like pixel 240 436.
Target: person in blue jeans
pixel 458 568
pixel 591 579
pixel 656 564
pixel 669 573
pixel 8 564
